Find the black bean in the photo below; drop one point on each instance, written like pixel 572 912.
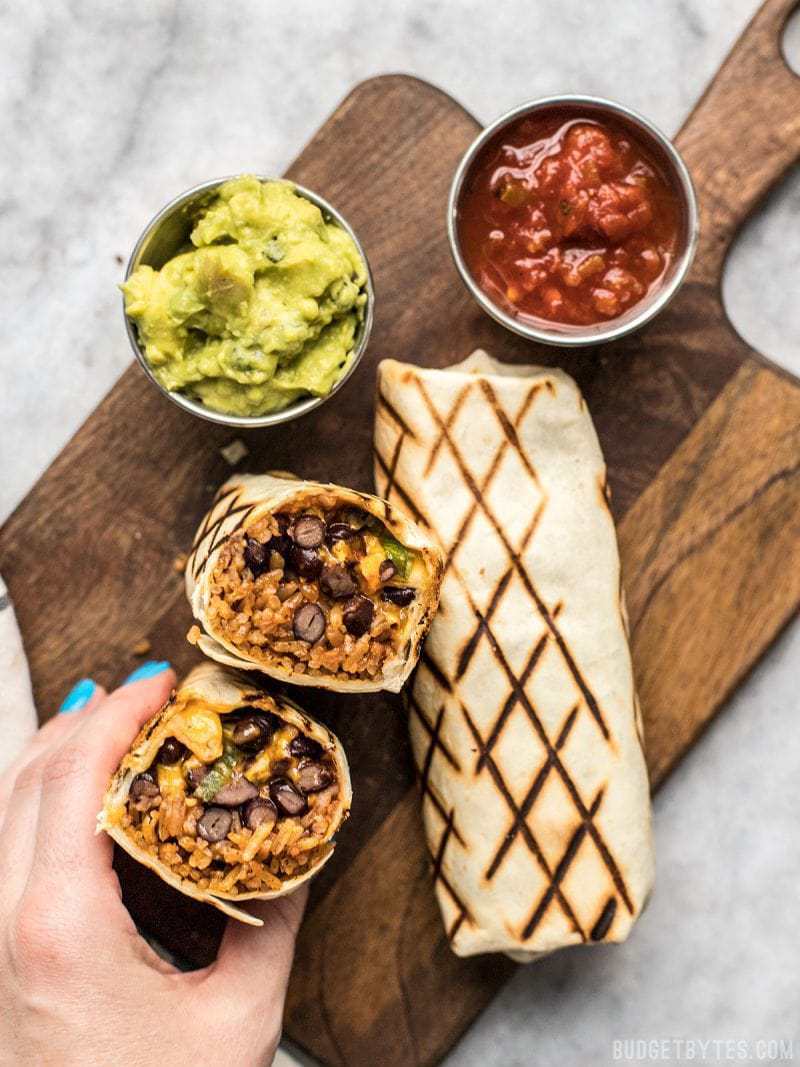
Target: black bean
pixel 235 792
pixel 340 531
pixel 357 615
pixel 252 732
pixel 286 797
pixel 171 751
pixel 258 811
pixel 280 544
pixel 337 582
pixel 386 571
pixel 305 561
pixel 309 623
pixel 256 556
pixel 305 746
pixel 197 774
pixel 144 785
pixel 307 531
pixel 402 595
pixel 214 825
pixel 312 776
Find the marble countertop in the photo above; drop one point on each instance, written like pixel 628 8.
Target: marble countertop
pixel 108 110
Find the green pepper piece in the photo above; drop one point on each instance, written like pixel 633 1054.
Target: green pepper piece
pixel 398 554
pixel 221 772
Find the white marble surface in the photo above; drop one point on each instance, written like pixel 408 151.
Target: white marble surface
pixel 107 110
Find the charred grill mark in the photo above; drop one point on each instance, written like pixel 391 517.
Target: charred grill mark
pixel 456 926
pixel 446 426
pixel 210 515
pixel 395 487
pixel 533 392
pixel 603 924
pixel 433 733
pixel 561 870
pixel 530 798
pixel 468 650
pixel 591 702
pixel 508 429
pixel 522 826
pixel 438 675
pixel 392 412
pixel 513 698
pixel 521 696
pixel 428 792
pixel 217 537
pixel 390 474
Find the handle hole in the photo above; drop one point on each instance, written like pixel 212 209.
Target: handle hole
pixel 759 282
pixel 790 42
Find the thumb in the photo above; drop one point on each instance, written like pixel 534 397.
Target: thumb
pixel 258 959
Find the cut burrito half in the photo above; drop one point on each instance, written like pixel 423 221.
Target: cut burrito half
pixel 229 793
pixel 523 715
pixel 312 584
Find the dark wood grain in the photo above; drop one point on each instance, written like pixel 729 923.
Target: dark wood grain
pixel 701 438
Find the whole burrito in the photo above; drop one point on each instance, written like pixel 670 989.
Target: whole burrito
pixel 311 583
pixel 524 720
pixel 229 793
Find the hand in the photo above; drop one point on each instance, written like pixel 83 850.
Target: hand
pixel 78 985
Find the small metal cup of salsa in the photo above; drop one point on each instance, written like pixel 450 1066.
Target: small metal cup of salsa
pixel 572 220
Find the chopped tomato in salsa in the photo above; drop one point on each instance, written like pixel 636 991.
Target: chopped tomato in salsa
pixel 567 219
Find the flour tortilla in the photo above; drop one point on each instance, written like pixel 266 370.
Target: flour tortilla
pixel 224 691
pixel 523 716
pixel 246 498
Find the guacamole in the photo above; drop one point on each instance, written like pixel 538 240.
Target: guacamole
pixel 262 310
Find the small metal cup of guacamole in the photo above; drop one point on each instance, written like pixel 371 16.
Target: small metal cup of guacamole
pixel 248 301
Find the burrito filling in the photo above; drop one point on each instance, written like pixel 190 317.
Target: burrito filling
pixel 319 590
pixel 237 803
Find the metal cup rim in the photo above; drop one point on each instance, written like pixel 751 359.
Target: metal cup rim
pixel 299 407
pixel 577 337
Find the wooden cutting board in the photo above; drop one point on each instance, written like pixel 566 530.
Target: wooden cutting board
pixel 702 439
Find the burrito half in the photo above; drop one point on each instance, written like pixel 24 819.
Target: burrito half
pixel 228 793
pixel 312 584
pixel 523 716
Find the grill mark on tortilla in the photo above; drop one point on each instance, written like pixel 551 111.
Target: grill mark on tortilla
pixel 530 797
pixel 446 426
pixel 524 829
pixel 205 525
pixel 400 491
pixel 508 429
pixel 393 413
pixel 563 773
pixel 560 872
pixel 433 733
pixel 436 671
pixel 217 537
pixel 512 699
pixel 603 924
pixel 468 650
pixel 591 702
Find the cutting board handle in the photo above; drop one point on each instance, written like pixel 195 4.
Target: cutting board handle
pixel 743 134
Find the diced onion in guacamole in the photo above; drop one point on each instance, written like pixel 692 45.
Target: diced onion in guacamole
pixel 263 310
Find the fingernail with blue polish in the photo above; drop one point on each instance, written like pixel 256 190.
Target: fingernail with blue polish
pixel 78 697
pixel 147 670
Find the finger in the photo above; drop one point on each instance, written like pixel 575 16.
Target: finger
pixel 53 733
pixel 76 775
pixel 257 959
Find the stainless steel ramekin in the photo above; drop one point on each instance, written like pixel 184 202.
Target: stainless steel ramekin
pixel 662 149
pixel 168 233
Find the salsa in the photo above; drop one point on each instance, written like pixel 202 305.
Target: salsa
pixel 568 219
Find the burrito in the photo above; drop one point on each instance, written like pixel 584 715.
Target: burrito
pixel 523 716
pixel 311 584
pixel 229 793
